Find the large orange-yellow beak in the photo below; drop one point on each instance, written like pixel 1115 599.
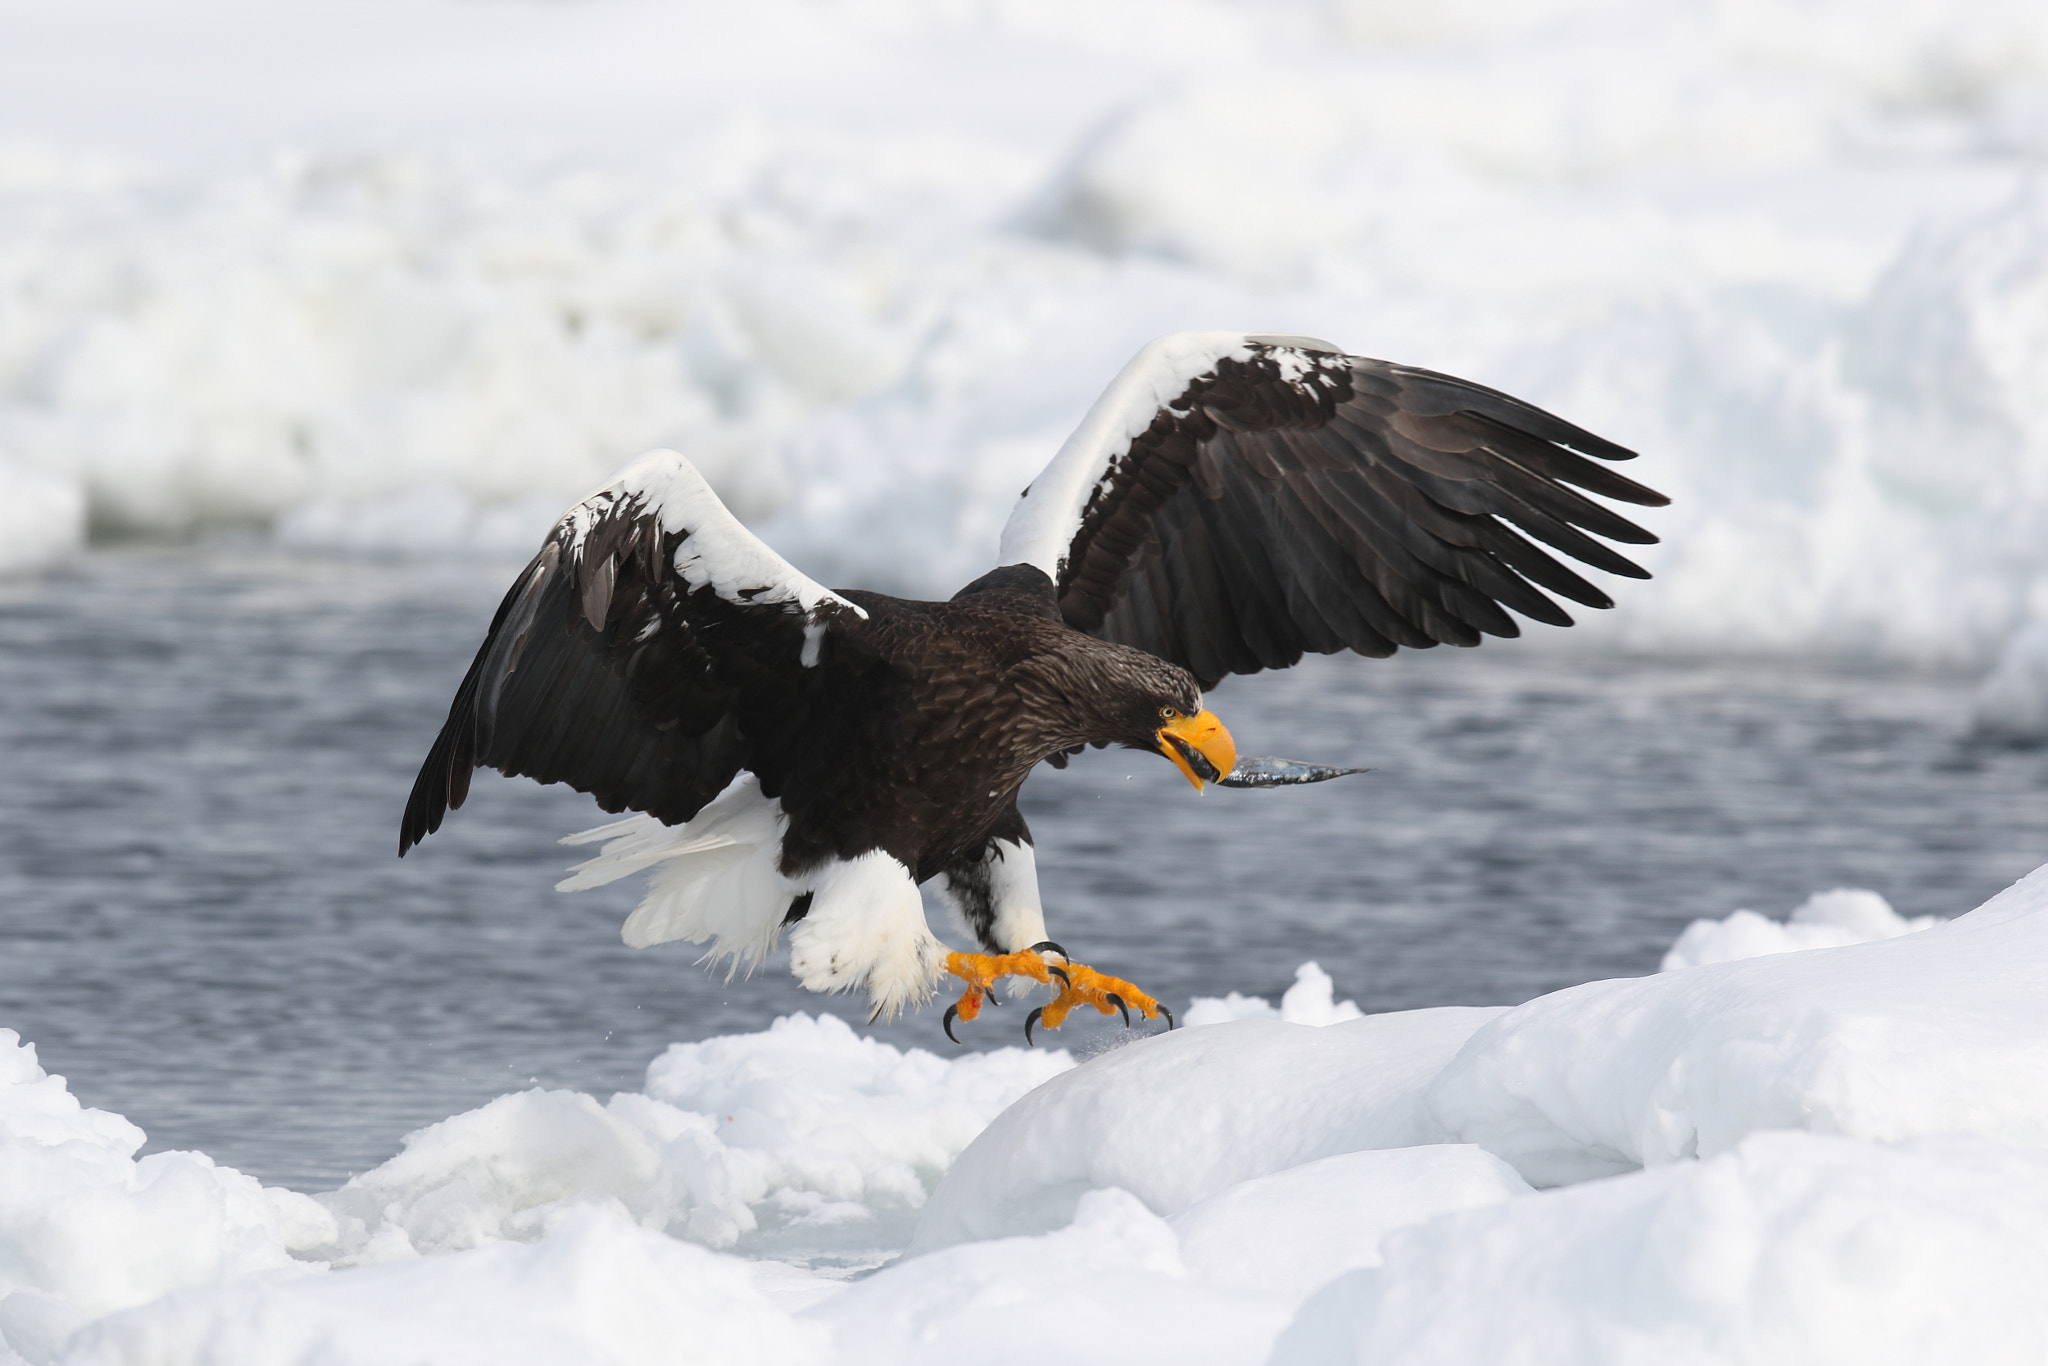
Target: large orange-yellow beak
pixel 1199 747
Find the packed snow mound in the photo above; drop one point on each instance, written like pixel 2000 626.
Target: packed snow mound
pixel 1789 1247
pixel 1291 1232
pixel 1273 1095
pixel 1110 1284
pixel 1312 1000
pixel 1825 920
pixel 599 1290
pixel 1889 1036
pixel 1938 1031
pixel 806 1135
pixel 86 1229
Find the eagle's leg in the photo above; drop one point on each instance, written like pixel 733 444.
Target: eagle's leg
pixel 995 890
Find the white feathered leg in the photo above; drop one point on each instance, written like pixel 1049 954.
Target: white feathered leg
pixel 866 928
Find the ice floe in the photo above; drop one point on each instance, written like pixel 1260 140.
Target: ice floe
pixel 806 1139
pixel 1821 1151
pixel 1825 920
pixel 1934 1032
pixel 1274 1095
pixel 86 1229
pixel 598 1289
pixel 1793 253
pixel 1790 1247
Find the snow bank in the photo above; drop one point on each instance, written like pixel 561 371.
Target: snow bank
pixel 1310 1001
pixel 1831 1155
pixel 599 1290
pixel 1273 1095
pixel 1109 1286
pixel 1863 480
pixel 1790 1247
pixel 85 1229
pixel 1824 920
pixel 1939 1031
pixel 805 1136
pixel 867 264
pixel 1287 1234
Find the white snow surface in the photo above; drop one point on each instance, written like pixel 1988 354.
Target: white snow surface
pixel 86 1229
pixel 1790 1247
pixel 410 274
pixel 1830 1154
pixel 1310 1001
pixel 1825 920
pixel 805 1135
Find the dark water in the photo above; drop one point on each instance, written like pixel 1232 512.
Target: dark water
pixel 203 755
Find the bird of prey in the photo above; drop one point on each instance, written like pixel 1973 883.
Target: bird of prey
pixel 804 759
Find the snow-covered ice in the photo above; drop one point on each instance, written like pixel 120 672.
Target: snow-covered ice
pixel 1791 1247
pixel 1274 1095
pixel 1834 1153
pixel 867 264
pixel 1933 1032
pixel 1825 920
pixel 86 1229
pixel 806 1137
pixel 598 1289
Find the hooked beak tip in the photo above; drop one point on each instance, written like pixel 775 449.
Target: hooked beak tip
pixel 1199 747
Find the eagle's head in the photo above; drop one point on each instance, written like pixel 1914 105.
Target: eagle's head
pixel 1147 703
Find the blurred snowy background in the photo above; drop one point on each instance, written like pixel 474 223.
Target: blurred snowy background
pixel 401 276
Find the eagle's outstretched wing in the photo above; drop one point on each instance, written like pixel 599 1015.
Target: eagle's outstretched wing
pixel 628 652
pixel 1235 501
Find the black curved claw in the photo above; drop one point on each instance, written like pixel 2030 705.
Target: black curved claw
pixel 1059 974
pixel 1122 1009
pixel 952 1013
pixel 1168 1014
pixel 1030 1020
pixel 1042 945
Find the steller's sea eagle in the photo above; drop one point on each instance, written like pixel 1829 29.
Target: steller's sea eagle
pixel 805 758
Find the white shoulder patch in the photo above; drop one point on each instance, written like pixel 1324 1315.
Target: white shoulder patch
pixel 1046 518
pixel 717 549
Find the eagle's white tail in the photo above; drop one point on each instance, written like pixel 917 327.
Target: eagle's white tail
pixel 715 877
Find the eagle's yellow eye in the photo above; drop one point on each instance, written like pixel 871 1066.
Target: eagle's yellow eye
pixel 1168 714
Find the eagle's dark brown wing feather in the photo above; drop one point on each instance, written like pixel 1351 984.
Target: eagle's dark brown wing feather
pixel 607 670
pixel 640 725
pixel 1298 501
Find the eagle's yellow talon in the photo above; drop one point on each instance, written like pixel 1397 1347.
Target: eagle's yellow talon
pixel 1078 985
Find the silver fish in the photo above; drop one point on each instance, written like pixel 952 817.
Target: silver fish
pixel 1270 770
